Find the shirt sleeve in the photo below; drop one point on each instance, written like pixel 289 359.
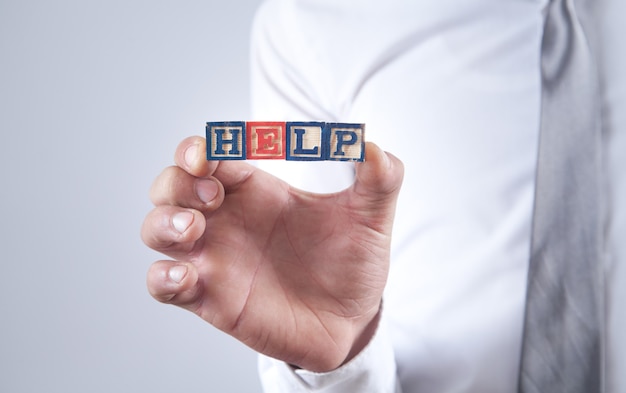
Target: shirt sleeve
pixel 373 370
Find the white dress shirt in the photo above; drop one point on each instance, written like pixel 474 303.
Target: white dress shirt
pixel 451 87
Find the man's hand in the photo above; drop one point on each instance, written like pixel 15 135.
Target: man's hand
pixel 294 275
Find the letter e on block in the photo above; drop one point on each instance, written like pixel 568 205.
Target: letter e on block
pixel 226 140
pixel 265 140
pixel 305 141
pixel 346 142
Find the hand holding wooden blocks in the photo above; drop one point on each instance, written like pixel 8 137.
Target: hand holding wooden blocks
pixel 293 141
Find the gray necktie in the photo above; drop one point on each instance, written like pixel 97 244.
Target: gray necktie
pixel 564 324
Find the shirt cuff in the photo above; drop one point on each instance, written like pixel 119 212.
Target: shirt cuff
pixel 372 370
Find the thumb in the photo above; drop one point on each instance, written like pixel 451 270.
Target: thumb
pixel 379 177
pixel 174 283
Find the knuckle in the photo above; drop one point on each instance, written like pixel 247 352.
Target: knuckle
pixel 167 185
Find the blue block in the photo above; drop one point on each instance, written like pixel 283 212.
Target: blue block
pixel 306 141
pixel 346 141
pixel 226 140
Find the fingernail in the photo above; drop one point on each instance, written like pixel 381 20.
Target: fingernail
pixel 190 154
pixel 385 158
pixel 181 221
pixel 206 190
pixel 177 273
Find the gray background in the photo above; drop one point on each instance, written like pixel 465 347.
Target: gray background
pixel 94 98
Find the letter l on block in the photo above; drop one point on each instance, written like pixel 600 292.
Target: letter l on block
pixel 306 141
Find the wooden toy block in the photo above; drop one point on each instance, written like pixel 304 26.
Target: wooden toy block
pixel 266 140
pixel 306 141
pixel 346 141
pixel 293 141
pixel 226 140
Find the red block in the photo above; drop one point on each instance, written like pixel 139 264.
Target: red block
pixel 265 140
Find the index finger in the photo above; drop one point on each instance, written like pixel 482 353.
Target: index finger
pixel 191 156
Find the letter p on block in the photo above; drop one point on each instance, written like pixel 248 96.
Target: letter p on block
pixel 347 141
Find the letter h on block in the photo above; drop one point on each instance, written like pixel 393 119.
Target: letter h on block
pixel 226 140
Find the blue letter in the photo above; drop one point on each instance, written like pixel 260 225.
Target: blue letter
pixel 342 141
pixel 299 149
pixel 233 142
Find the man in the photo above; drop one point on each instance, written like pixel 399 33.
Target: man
pixel 453 89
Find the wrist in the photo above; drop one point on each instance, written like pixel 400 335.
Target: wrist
pixel 363 337
pixel 363 334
